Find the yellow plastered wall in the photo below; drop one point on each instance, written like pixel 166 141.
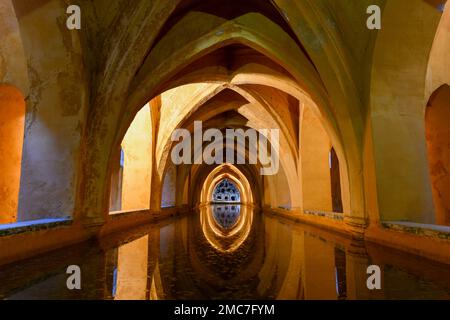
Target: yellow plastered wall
pixel 12 119
pixel 438 72
pixel 132 270
pixel 315 150
pixel 137 163
pixel 319 270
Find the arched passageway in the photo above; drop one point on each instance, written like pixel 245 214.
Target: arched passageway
pixel 235 115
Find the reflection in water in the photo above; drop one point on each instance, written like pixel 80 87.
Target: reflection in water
pixel 245 256
pixel 231 236
pixel 226 215
pixel 341 281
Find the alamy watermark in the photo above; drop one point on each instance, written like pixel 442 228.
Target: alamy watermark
pixel 73 22
pixel 373 22
pixel 241 146
pixel 74 280
pixel 374 280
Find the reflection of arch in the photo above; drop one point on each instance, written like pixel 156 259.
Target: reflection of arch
pixel 438 142
pixel 169 187
pixel 12 120
pixel 223 239
pixel 132 270
pixel 227 215
pixel 187 241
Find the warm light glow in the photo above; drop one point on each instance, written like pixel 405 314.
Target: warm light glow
pixel 221 239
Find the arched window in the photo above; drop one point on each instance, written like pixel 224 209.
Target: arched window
pixel 169 190
pixel 226 191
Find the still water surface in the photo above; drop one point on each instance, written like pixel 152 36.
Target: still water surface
pixel 225 252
